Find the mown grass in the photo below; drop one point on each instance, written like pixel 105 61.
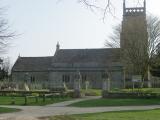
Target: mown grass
pixel 130 90
pixel 7 100
pixel 98 92
pixel 116 102
pixel 8 110
pixel 92 92
pixel 124 115
pixel 146 90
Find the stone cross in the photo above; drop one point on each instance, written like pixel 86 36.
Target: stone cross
pixel 106 82
pixel 77 85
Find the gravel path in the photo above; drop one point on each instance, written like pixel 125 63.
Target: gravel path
pixel 33 112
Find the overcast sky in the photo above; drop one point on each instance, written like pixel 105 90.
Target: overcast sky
pixel 41 23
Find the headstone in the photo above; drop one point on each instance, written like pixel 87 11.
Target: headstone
pixel 77 85
pixel 26 88
pixel 105 84
pixel 64 86
pixel 17 87
pixel 86 84
pixel 27 78
pixel 78 79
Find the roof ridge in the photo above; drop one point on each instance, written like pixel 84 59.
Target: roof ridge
pixel 91 49
pixel 36 57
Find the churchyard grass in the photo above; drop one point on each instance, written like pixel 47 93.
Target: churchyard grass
pixel 8 110
pixel 98 92
pixel 7 100
pixel 146 90
pixel 92 92
pixel 116 102
pixel 123 115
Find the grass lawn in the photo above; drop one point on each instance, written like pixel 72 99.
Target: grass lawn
pixel 8 110
pixel 124 115
pixel 98 92
pixel 148 90
pixel 7 100
pixel 115 102
pixel 92 92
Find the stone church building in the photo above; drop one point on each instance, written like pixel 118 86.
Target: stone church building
pixel 63 67
pixel 93 65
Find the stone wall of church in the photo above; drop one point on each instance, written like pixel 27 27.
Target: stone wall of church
pixel 57 79
pixel 39 80
pixel 35 80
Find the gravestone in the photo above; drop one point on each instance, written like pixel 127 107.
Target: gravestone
pixel 27 79
pixel 17 87
pixel 77 85
pixel 26 88
pixel 105 84
pixel 64 86
pixel 86 84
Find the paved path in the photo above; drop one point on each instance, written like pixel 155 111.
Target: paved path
pixel 33 112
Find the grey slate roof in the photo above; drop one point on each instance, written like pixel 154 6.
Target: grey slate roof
pixel 32 64
pixel 64 58
pixel 86 55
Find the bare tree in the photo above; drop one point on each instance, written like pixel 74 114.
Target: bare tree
pixel 139 55
pixel 105 6
pixel 5 33
pixel 153 35
pixel 6 66
pixel 114 38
